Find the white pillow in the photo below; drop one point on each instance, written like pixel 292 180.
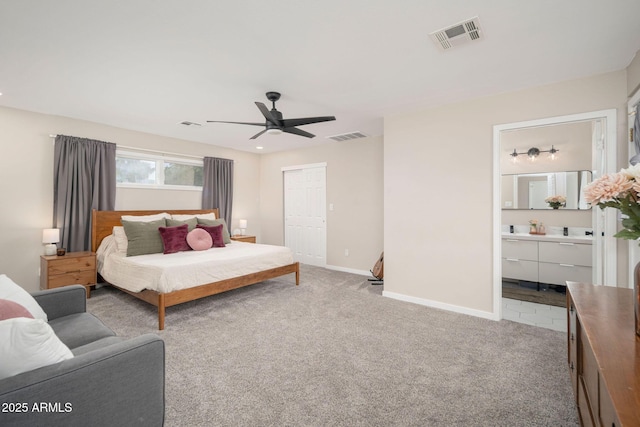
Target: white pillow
pixel 145 218
pixel 11 291
pixel 122 243
pixel 211 215
pixel 29 344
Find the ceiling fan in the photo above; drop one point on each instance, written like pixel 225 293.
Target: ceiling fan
pixel 275 124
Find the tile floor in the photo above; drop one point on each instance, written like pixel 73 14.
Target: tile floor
pixel 544 316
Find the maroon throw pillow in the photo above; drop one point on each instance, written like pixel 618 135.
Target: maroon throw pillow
pixel 174 239
pixel 11 309
pixel 216 234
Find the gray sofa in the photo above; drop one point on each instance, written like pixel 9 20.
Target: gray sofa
pixel 110 381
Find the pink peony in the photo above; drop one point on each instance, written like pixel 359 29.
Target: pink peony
pixel 607 187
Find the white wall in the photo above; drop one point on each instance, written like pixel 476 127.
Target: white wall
pixel 26 188
pixel 354 187
pixel 438 177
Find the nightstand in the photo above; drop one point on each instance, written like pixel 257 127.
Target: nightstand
pixel 70 269
pixel 241 238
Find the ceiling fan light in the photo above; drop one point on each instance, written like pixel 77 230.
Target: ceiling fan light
pixel 274 131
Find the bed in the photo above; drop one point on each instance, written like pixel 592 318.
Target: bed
pixel 166 295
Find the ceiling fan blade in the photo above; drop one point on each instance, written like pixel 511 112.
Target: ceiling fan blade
pixel 236 123
pixel 258 134
pixel 297 131
pixel 267 114
pixel 306 121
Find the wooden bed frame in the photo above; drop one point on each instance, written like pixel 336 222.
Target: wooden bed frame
pixel 102 226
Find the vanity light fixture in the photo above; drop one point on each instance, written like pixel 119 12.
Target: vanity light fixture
pixel 534 152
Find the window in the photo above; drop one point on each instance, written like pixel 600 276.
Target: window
pixel 142 170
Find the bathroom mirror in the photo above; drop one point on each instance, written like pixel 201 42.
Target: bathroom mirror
pixel 529 190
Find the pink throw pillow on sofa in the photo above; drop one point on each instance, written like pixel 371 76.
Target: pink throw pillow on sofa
pixel 199 240
pixel 216 234
pixel 174 238
pixel 10 310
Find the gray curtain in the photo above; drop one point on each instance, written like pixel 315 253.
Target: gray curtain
pixel 84 178
pixel 217 189
pixel 636 137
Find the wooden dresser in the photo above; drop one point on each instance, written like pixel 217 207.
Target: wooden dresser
pixel 604 355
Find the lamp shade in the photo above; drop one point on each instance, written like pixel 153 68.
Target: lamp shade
pixel 242 223
pixel 50 235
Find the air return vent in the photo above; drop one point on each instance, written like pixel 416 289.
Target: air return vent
pixel 347 136
pixel 460 33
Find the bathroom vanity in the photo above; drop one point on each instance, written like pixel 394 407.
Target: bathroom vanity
pixel 550 259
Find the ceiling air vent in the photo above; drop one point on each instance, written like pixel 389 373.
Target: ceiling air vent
pixel 460 33
pixel 347 136
pixel 188 123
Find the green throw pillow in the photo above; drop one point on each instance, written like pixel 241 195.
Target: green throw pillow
pixel 144 237
pixel 225 231
pixel 191 223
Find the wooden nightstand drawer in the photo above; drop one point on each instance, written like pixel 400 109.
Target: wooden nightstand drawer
pixel 63 265
pixel 77 278
pixel 248 239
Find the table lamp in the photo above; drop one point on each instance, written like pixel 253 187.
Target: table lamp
pixel 243 226
pixel 50 236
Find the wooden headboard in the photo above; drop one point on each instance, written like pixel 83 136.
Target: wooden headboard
pixel 102 222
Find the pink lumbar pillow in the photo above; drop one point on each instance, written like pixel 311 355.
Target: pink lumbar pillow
pixel 199 240
pixel 11 309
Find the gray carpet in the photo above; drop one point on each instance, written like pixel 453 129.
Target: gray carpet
pixel 334 352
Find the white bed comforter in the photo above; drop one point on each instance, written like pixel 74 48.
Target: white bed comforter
pixel 172 272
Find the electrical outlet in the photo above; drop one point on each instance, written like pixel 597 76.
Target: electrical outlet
pixel 346 252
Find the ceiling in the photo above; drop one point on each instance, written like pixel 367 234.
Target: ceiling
pixel 148 65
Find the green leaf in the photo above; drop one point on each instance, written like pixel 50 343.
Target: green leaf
pixel 627 234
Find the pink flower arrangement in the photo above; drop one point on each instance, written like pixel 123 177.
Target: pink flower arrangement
pixel 620 191
pixel 556 201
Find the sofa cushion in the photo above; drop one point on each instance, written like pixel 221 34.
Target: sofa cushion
pixel 80 329
pixel 28 344
pixel 104 342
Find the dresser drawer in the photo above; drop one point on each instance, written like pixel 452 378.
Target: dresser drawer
pixel 572 337
pixel 70 265
pixel 565 253
pixel 584 407
pixel 520 269
pixel 520 249
pixel 79 278
pixel 559 274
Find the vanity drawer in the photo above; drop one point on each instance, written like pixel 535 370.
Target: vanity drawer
pixel 559 274
pixel 520 249
pixel 565 253
pixel 520 269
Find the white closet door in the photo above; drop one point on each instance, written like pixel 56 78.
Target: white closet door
pixel 305 221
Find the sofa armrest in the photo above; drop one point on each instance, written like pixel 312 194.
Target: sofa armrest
pixel 121 384
pixel 60 302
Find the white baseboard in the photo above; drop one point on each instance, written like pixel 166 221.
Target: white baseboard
pixel 349 270
pixel 441 305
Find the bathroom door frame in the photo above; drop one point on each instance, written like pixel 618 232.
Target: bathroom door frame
pixel 603 221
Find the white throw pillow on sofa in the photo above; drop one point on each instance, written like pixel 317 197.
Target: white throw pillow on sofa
pixel 12 291
pixel 28 344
